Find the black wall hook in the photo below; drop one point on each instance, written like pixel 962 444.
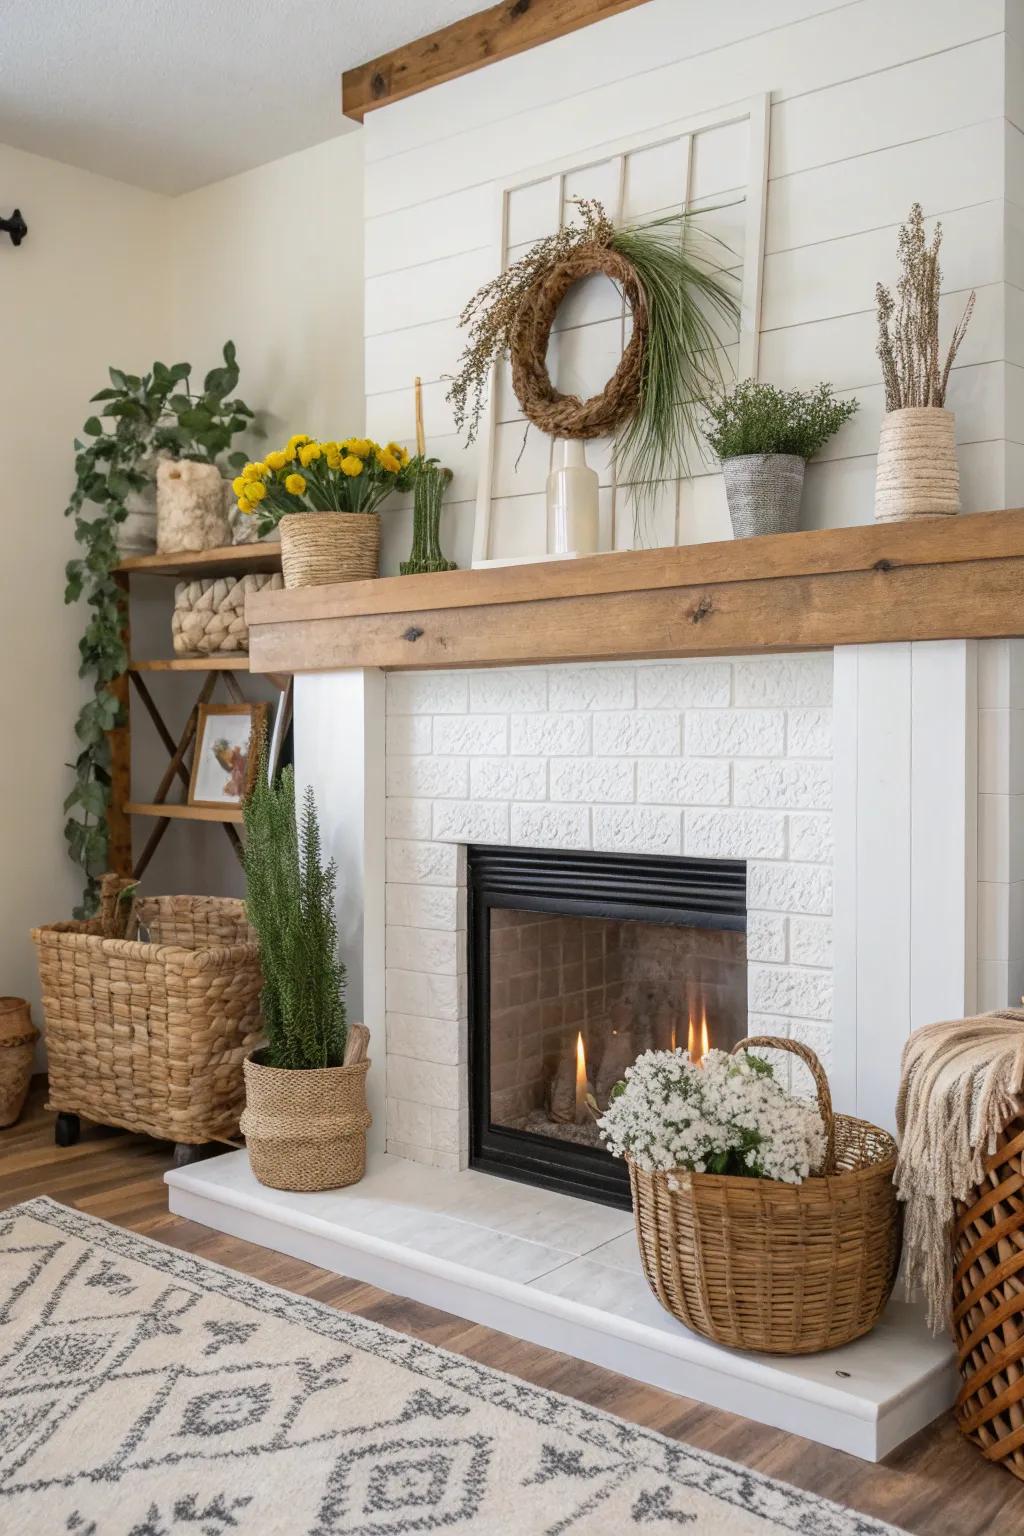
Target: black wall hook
pixel 15 227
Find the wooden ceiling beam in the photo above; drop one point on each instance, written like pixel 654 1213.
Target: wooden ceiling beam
pixel 486 36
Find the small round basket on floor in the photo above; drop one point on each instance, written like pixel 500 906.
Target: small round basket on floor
pixel 782 1269
pixel 988 1304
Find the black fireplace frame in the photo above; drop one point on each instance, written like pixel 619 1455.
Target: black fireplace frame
pixel 710 893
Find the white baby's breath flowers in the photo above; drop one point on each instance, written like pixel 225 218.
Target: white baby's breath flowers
pixel 728 1115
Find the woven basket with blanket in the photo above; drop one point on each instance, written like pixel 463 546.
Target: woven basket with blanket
pixel 961 1174
pixel 150 1010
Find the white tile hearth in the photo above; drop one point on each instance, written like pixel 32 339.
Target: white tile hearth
pixel 563 1273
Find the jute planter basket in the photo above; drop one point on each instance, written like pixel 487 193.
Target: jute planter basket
pixel 18 1037
pixel 151 1034
pixel 318 548
pixel 306 1130
pixel 988 1305
pixel 917 474
pixel 785 1269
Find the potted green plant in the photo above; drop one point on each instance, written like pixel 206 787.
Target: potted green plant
pixel 305 1117
pixel 324 497
pixel 140 421
pixel 764 437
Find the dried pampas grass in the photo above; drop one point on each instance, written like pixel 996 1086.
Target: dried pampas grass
pixel 908 325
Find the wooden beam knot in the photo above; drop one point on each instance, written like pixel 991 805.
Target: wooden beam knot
pixel 882 565
pixel 702 610
pixel 412 633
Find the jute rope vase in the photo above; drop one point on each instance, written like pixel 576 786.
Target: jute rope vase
pixel 18 1037
pixel 917 473
pixel 319 548
pixel 306 1130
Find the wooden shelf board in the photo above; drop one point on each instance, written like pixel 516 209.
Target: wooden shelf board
pixel 229 663
pixel 930 579
pixel 177 812
pixel 232 560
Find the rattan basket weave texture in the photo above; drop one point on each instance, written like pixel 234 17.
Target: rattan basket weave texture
pixel 152 1036
pixel 785 1269
pixel 988 1305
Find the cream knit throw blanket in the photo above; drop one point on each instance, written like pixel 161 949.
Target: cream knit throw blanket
pixel 961 1083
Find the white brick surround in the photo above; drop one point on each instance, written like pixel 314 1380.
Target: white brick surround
pixel 718 759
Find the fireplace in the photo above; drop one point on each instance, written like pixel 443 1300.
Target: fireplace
pixel 579 962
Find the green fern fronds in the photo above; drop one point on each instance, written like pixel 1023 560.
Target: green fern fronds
pixel 290 903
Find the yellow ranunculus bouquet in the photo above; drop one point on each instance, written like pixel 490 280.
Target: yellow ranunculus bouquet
pixel 307 476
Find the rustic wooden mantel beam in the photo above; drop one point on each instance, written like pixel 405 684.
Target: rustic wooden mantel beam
pixel 934 579
pixel 496 33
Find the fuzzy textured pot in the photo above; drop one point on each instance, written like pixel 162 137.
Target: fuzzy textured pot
pixel 318 548
pixel 917 474
pixel 763 491
pixel 191 513
pixel 305 1130
pixel 18 1036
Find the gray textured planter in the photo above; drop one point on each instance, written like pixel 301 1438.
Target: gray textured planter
pixel 763 491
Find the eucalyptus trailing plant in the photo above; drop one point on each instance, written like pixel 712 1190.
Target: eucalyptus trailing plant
pixel 755 418
pixel 290 904
pixel 685 298
pixel 137 418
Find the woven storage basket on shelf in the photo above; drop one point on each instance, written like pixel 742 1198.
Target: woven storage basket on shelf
pixel 209 614
pixel 318 548
pixel 786 1269
pixel 152 1035
pixel 988 1305
pixel 18 1037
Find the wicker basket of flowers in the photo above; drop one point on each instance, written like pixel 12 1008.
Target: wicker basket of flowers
pixel 792 1245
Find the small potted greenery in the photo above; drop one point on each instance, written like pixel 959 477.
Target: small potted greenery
pixel 305 1117
pixel 764 437
pixel 324 498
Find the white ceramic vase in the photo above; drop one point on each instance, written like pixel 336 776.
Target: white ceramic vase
pixel 572 501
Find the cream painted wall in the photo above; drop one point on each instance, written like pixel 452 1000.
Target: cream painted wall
pixel 83 290
pixel 272 258
pixel 112 274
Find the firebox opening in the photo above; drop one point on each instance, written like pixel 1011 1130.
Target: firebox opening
pixel 578 964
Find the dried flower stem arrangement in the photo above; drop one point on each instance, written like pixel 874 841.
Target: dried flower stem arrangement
pixel 908 325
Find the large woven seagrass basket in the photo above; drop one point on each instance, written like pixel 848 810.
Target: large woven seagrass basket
pixel 988 1304
pixel 150 1033
pixel 786 1269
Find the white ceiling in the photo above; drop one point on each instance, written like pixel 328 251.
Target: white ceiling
pixel 172 94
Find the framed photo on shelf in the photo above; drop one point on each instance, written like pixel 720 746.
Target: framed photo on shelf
pixel 227 747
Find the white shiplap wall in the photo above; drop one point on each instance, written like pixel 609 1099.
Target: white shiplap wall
pixel 874 103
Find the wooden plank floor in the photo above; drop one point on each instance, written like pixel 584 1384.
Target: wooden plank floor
pixel 935 1485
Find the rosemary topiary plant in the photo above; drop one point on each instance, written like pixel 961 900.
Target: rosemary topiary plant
pixel 758 418
pixel 290 904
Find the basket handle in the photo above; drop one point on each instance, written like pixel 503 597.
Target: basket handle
pixel 817 1071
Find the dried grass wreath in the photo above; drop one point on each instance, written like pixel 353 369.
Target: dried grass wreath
pixel 683 305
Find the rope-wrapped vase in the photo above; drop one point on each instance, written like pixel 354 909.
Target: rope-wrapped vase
pixel 320 548
pixel 306 1130
pixel 566 415
pixel 18 1037
pixel 917 473
pixel 781 1268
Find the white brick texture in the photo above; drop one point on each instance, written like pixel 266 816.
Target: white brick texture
pixel 729 758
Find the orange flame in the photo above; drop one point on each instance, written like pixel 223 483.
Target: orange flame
pixel 581 1080
pixel 698 1049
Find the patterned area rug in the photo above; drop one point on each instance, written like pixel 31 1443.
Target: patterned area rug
pixel 144 1392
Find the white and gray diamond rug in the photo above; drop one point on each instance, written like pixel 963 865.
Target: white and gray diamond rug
pixel 145 1392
